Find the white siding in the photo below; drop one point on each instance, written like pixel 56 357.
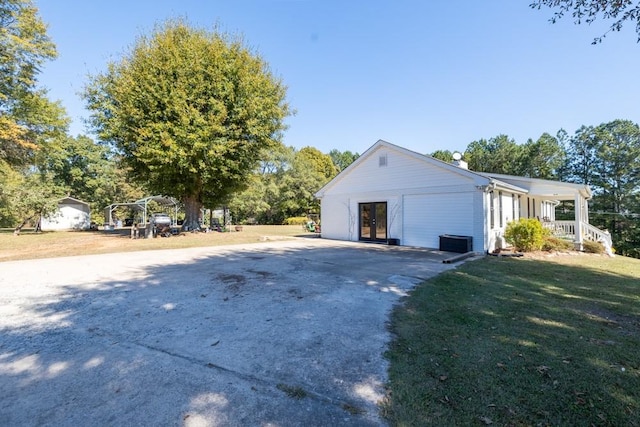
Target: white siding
pixel 428 216
pixel 401 172
pixel 68 217
pixel 337 220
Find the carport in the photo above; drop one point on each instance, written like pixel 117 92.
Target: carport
pixel 169 204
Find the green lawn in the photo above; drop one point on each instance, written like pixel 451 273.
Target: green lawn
pixel 519 342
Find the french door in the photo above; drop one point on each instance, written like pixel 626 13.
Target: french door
pixel 373 221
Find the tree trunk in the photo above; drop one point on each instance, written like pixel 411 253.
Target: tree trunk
pixel 18 229
pixel 192 210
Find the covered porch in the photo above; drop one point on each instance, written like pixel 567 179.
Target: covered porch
pixel 541 200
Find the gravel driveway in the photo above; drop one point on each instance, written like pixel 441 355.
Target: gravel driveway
pixel 281 333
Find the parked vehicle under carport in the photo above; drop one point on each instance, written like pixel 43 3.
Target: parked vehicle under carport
pixel 160 223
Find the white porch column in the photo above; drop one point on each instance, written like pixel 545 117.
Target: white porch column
pixel 585 211
pixel 578 221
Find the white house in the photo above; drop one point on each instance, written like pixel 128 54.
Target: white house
pixel 393 193
pixel 72 214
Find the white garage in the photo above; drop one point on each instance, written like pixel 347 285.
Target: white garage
pixel 397 196
pixel 425 218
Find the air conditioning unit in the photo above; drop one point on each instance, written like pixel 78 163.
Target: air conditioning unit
pixel 453 243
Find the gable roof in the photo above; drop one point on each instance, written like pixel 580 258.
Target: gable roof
pixel 71 200
pixel 480 179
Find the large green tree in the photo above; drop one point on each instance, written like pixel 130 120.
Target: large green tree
pixel 616 181
pixel 190 111
pixel 30 124
pixel 582 156
pixel 587 11
pixel 607 157
pixel 260 201
pixel 310 170
pixel 542 158
pixel 88 171
pixel 284 186
pixel 26 115
pixel 500 154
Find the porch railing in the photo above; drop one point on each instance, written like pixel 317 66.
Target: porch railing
pixel 561 228
pixel 589 232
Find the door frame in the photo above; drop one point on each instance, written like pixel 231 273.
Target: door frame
pixel 373 233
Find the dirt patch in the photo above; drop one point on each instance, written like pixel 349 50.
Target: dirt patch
pixel 233 282
pixel 554 254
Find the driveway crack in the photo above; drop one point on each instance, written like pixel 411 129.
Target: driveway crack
pixel 272 384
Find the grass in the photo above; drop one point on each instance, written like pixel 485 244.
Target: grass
pixel 30 245
pixel 293 392
pixel 519 342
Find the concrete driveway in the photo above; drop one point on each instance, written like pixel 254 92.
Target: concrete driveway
pixel 271 334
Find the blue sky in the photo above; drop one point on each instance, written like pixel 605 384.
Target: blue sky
pixel 425 75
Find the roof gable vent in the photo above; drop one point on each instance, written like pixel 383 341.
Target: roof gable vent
pixel 382 160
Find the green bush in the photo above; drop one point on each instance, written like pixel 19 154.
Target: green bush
pixel 551 243
pixel 526 234
pixel 592 247
pixel 296 220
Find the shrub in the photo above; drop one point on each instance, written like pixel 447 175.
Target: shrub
pixel 526 234
pixel 551 243
pixel 296 220
pixel 592 247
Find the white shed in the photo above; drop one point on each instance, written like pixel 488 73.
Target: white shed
pixel 72 214
pixel 391 194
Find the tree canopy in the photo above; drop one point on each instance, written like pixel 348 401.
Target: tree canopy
pixel 587 11
pixel 30 124
pixel 607 157
pixel 190 111
pixel 342 159
pixel 26 115
pixel 499 154
pixel 444 155
pixel 285 186
pixel 542 158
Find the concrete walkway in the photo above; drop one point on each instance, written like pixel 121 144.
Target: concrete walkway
pixel 282 333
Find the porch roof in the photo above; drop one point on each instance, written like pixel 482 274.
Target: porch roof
pixel 553 190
